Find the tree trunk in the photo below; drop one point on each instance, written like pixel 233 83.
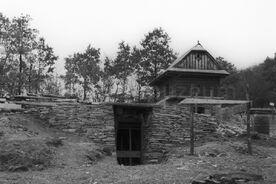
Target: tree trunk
pixel 20 74
pixel 139 93
pixel 84 91
pixel 124 90
pixel 116 92
pixel 38 78
pixel 154 89
pixel 30 78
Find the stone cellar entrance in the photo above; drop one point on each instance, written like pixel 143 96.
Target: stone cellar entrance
pixel 129 143
pixel 130 121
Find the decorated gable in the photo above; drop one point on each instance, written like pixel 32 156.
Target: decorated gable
pixel 200 60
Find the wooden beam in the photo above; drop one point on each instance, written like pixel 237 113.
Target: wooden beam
pixel 192 131
pixel 128 154
pixel 249 142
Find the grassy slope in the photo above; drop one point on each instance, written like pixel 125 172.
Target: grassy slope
pixel 72 167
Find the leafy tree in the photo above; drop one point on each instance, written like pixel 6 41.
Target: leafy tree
pixel 140 78
pixel 103 90
pixel 25 61
pixel 157 54
pixel 41 61
pixel 269 71
pixel 44 65
pixel 85 68
pixel 225 65
pixel 8 71
pixel 52 86
pixel 260 81
pixel 70 78
pixel 23 42
pixel 229 81
pixel 122 68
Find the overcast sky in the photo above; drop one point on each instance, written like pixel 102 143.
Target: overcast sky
pixel 241 31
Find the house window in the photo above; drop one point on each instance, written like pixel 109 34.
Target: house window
pixel 167 89
pixel 207 91
pixel 195 91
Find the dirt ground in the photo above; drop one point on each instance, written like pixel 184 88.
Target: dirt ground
pixel 71 166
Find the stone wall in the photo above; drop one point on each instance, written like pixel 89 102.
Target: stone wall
pixel 169 127
pixel 93 121
pixel 264 121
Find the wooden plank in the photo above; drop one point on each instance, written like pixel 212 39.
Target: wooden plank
pixel 144 122
pixel 130 139
pixel 129 154
pixel 19 97
pixel 204 62
pixel 192 131
pixel 10 106
pixel 201 62
pixel 185 62
pixel 170 115
pixel 193 61
pixel 249 142
pixel 46 104
pixel 198 62
pixel 189 62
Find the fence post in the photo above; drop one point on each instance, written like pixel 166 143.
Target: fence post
pixel 192 131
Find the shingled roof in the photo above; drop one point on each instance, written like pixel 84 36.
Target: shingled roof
pixel 189 65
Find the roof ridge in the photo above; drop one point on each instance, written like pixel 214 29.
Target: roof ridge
pixel 198 46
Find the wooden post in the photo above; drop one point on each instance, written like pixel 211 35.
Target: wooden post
pixel 249 144
pixel 192 131
pixel 130 144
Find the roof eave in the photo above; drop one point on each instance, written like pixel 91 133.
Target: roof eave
pixel 158 78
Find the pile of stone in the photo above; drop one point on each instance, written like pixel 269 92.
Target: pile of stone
pixel 230 178
pixel 230 131
pixel 205 125
pixel 234 126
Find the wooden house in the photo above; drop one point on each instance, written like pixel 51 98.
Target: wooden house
pixel 196 73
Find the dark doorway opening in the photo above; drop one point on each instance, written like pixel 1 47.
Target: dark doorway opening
pixel 130 123
pixel 129 143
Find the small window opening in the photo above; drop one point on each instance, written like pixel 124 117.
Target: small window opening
pixel 200 110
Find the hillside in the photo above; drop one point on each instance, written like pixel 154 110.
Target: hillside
pixel 75 159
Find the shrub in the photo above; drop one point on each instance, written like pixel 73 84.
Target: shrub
pixel 23 155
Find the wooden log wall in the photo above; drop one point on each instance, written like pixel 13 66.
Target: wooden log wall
pixel 182 86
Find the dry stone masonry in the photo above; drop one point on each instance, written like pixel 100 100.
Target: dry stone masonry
pixel 93 121
pixel 168 127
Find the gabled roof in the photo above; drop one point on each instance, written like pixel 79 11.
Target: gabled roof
pixel 197 47
pixel 174 69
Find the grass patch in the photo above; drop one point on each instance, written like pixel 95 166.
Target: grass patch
pixel 24 155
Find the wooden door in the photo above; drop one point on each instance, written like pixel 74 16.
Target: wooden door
pixel 129 143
